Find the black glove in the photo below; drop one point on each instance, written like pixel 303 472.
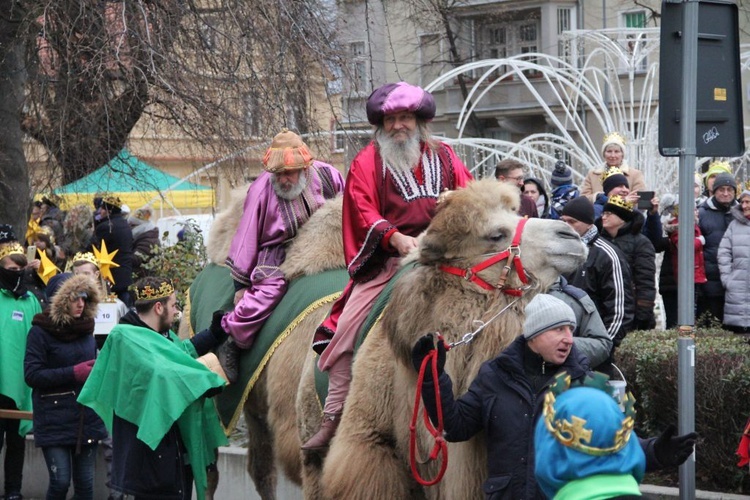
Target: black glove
pixel 422 348
pixel 672 450
pixel 216 330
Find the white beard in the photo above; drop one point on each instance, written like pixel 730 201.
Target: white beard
pixel 292 193
pixel 398 155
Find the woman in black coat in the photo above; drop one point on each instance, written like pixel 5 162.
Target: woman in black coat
pixel 60 352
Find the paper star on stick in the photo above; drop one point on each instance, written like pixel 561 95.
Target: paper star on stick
pixel 46 268
pixel 105 261
pixel 32 228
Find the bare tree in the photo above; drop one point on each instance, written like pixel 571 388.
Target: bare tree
pixel 218 73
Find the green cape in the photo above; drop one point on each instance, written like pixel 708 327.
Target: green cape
pixel 153 382
pixel 15 323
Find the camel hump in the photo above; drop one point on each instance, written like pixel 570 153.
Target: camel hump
pixel 319 245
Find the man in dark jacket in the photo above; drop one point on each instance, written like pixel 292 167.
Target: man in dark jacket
pixel 164 431
pixel 604 275
pixel 113 229
pixel 713 218
pixel 506 398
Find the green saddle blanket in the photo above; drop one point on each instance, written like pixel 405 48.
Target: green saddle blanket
pixel 303 296
pixel 321 378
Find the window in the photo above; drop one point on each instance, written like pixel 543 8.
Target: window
pixel 358 71
pixel 527 38
pixel 499 40
pixel 635 20
pixel 563 25
pixel 494 45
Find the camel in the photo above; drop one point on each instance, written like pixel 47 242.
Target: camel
pixel 269 407
pixel 368 457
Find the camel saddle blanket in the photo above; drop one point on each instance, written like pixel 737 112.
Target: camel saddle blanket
pixel 321 378
pixel 303 296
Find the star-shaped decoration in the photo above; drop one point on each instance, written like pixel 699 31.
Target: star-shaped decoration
pixel 32 228
pixel 105 261
pixel 3 235
pixel 47 268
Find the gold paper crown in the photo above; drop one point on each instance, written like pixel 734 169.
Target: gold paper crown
pixel 87 257
pixel 573 433
pixel 611 171
pixel 150 293
pixel 45 230
pixel 13 248
pixel 112 200
pixel 614 138
pixel 619 201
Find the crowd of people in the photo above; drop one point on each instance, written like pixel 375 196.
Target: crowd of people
pixel 53 364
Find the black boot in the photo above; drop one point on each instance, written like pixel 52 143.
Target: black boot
pixel 229 357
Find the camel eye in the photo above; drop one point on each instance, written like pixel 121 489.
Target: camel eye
pixel 498 236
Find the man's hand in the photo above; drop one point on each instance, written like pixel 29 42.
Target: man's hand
pixel 403 244
pixel 238 295
pixel 672 450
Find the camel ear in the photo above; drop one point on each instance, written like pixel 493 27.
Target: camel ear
pixel 432 249
pixel 511 199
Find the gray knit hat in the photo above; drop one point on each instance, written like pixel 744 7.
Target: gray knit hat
pixel 546 312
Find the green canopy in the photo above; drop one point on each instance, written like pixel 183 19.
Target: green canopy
pixel 135 183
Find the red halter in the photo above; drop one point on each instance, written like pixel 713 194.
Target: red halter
pixel 513 254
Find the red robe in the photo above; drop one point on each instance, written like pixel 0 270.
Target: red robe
pixel 379 201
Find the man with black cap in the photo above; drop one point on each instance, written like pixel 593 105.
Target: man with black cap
pixel 114 231
pixel 17 308
pixel 605 276
pixel 505 399
pixel 714 216
pixel 391 193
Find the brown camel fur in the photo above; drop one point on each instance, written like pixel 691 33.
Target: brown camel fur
pixel 368 457
pixel 270 406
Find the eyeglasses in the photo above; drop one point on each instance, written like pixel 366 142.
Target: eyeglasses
pixel 516 178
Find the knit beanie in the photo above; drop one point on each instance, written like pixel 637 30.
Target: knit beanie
pixel 618 206
pixel 716 168
pixel 580 209
pixel 725 179
pixel 546 312
pixel 562 175
pixel 613 178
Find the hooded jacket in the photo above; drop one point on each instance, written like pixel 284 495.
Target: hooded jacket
pixel 641 258
pixel 56 343
pixel 734 265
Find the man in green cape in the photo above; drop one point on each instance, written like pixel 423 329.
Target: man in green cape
pixel 153 396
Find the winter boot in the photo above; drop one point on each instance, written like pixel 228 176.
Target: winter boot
pixel 229 357
pixel 322 438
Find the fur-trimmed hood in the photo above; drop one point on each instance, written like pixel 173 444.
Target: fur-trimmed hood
pixel 58 311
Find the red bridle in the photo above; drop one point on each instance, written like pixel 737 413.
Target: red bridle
pixel 512 253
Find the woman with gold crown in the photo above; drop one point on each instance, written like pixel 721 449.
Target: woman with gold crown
pixel 613 152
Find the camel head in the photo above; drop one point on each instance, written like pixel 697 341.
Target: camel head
pixel 480 220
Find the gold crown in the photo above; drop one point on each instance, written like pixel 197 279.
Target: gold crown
pixel 150 293
pixel 610 172
pixel 13 248
pixel 619 201
pixel 614 137
pixel 87 257
pixel 112 200
pixel 573 433
pixel 46 230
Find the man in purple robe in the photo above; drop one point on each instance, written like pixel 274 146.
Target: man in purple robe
pixel 278 203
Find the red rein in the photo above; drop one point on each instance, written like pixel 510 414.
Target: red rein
pixel 440 447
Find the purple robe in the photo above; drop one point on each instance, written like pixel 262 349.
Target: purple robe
pixel 259 245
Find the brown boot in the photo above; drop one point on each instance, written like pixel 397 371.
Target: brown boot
pixel 229 358
pixel 322 438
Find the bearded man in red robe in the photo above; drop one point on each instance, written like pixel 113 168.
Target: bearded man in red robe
pixel 390 195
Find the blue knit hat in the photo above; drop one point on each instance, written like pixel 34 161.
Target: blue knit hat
pixel 562 175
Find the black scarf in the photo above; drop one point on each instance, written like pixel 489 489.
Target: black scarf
pixel 13 282
pixel 77 328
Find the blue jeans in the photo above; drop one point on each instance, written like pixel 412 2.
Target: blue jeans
pixel 62 463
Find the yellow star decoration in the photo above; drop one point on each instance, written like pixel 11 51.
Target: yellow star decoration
pixel 32 228
pixel 105 261
pixel 46 268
